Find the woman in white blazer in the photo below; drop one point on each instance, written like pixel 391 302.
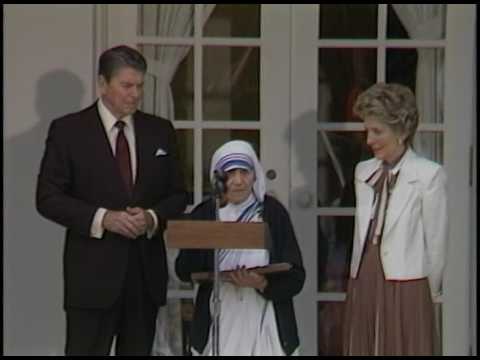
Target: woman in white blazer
pixel 400 234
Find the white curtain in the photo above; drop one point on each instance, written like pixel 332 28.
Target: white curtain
pixel 426 21
pixel 167 20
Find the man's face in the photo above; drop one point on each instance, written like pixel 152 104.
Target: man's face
pixel 122 94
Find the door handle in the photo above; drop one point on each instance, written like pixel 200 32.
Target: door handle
pixel 271 174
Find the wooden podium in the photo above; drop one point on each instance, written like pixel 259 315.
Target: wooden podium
pixel 206 234
pixel 202 234
pixel 216 235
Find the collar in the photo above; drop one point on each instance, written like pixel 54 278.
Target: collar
pixel 108 119
pixel 231 212
pixel 398 165
pixel 372 165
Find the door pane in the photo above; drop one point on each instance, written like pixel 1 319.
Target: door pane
pixel 338 153
pixel 187 310
pixel 174 338
pixel 335 236
pixel 416 21
pixel 422 70
pixel 231 83
pixel 213 139
pixel 170 68
pixel 330 322
pixel 234 20
pixel 401 66
pixel 348 21
pixel 182 88
pixel 186 158
pixel 429 144
pixel 174 20
pixel 342 75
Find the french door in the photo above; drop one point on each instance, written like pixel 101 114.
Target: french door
pixel 219 72
pixel 284 77
pixel 338 51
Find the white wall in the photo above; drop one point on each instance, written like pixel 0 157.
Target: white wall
pixel 48 71
pixel 473 267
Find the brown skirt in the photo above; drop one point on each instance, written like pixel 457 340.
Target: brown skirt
pixel 386 317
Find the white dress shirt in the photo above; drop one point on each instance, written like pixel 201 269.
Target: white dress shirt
pixel 108 121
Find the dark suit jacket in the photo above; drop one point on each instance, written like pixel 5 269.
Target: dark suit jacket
pixel 78 174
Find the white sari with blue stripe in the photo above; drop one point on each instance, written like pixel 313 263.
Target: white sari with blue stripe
pixel 247 320
pixel 248 211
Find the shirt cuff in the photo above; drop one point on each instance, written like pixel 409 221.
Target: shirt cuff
pixel 97 230
pixel 152 232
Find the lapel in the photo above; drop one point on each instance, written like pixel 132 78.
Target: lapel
pixel 401 194
pixel 403 191
pixel 141 150
pixel 104 156
pixel 364 195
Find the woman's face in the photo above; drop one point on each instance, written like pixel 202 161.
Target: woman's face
pixel 239 185
pixel 383 141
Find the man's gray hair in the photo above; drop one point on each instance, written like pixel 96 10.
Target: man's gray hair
pixel 119 57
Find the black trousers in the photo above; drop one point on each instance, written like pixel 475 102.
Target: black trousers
pixel 131 319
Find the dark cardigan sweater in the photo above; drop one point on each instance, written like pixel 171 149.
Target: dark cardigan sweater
pixel 281 288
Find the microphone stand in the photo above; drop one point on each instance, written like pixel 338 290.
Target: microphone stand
pixel 219 190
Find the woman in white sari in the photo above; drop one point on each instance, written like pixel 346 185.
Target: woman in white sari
pixel 257 315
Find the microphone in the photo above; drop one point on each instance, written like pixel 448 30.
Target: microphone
pixel 219 182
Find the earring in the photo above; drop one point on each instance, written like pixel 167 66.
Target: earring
pixel 400 141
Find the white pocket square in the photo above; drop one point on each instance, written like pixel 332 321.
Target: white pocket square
pixel 160 152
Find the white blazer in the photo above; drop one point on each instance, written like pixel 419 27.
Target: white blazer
pixel 413 244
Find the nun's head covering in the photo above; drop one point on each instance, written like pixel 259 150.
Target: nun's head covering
pixel 238 154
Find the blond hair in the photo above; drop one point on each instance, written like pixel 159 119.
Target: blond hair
pixel 392 104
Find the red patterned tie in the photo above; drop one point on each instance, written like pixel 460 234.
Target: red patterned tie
pixel 122 154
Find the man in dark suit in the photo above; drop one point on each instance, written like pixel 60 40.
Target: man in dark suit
pixel 110 175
